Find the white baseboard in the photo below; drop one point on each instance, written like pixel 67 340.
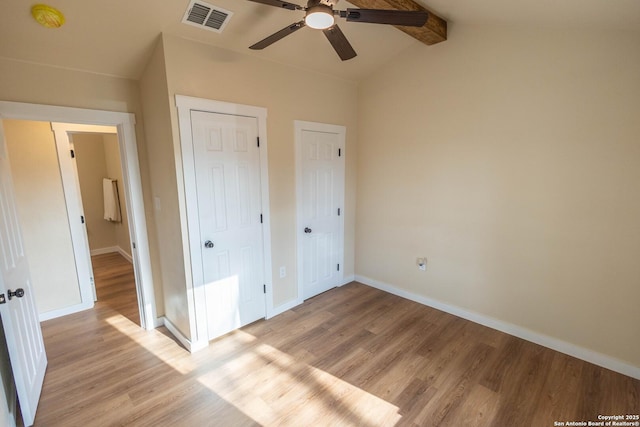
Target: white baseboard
pixel 518 331
pixel 158 322
pixel 48 315
pixel 125 255
pixel 186 342
pixel 348 279
pixel 101 251
pixel 112 249
pixel 176 333
pixel 293 303
pixel 284 307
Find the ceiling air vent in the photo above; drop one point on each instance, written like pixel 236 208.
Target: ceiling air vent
pixel 206 16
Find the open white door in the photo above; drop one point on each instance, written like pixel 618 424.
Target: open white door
pixel 73 199
pixel 75 210
pixel 17 304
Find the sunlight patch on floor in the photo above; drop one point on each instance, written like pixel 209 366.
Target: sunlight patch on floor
pixel 124 325
pixel 272 387
pixel 161 346
pixel 268 385
pixel 167 350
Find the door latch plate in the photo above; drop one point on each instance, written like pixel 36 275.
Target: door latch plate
pixel 3 300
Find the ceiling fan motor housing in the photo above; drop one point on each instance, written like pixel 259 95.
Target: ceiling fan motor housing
pixel 320 8
pixel 329 3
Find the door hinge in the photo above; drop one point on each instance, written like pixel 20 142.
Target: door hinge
pixel 264 288
pixel 3 299
pixel 258 140
pixel 82 219
pixel 133 244
pixel 338 267
pixel 339 152
pixel 73 154
pixel 260 218
pixel 338 211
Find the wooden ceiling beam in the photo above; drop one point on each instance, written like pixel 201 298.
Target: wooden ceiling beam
pixel 432 32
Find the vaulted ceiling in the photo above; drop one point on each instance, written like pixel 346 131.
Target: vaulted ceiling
pixel 116 37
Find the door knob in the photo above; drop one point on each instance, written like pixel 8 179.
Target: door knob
pixel 307 230
pixel 208 244
pixel 19 293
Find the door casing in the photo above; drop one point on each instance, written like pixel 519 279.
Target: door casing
pixel 73 199
pixel 124 123
pixel 193 250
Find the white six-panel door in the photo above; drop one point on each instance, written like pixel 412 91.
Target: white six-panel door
pixel 227 167
pixel 320 165
pixel 19 315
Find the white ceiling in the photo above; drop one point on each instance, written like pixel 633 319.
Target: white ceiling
pixel 115 37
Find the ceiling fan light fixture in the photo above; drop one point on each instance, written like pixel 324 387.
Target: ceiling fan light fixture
pixel 319 17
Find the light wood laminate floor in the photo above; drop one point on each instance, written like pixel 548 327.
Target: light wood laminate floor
pixel 353 356
pixel 115 284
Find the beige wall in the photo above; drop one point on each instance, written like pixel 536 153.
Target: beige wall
pixel 198 70
pixel 155 99
pixel 43 214
pixel 288 94
pixel 510 158
pixel 92 168
pixel 39 84
pixel 31 83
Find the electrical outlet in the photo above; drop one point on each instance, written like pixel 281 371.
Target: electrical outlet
pixel 283 272
pixel 421 263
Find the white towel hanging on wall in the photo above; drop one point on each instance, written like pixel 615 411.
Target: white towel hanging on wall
pixel 111 200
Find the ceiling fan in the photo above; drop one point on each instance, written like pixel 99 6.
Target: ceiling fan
pixel 319 14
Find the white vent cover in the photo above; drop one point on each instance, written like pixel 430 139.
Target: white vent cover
pixel 206 16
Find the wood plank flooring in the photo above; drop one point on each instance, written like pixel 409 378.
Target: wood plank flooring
pixel 115 284
pixel 353 356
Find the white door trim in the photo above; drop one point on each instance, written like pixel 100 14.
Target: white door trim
pixel 125 125
pixel 73 198
pixel 193 250
pixel 299 127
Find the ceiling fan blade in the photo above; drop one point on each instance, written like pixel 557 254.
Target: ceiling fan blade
pixel 280 4
pixel 408 18
pixel 277 36
pixel 339 42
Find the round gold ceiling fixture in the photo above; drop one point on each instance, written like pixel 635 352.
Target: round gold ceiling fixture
pixel 47 16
